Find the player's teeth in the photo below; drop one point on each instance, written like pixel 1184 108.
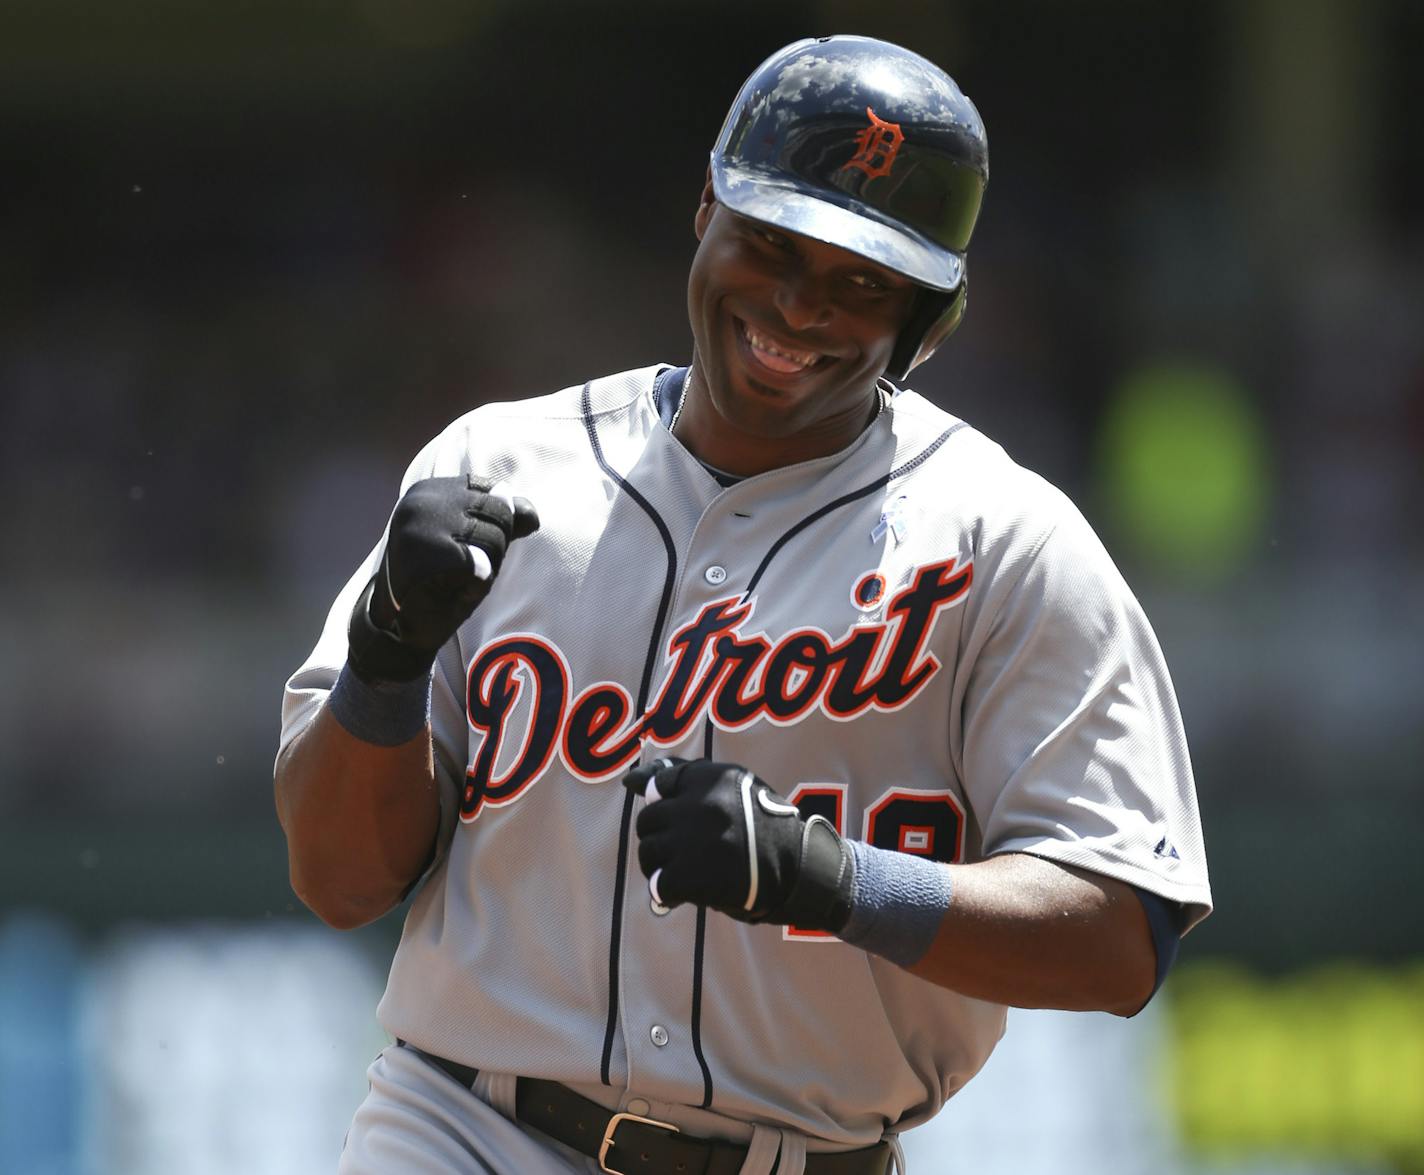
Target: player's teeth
pixel 798 359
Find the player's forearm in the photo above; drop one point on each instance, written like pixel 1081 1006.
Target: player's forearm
pixel 356 790
pixel 360 819
pixel 1034 934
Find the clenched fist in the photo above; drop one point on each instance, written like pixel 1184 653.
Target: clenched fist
pixel 715 834
pixel 448 537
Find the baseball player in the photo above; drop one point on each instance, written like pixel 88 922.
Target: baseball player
pixel 752 732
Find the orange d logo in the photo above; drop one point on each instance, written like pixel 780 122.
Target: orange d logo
pixel 876 146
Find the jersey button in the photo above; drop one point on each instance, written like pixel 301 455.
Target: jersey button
pixel 659 1035
pixel 658 908
pixel 715 574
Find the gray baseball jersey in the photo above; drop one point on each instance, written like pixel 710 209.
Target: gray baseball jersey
pixel 914 636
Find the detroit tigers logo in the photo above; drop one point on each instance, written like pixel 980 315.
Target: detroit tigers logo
pixel 876 146
pixel 520 691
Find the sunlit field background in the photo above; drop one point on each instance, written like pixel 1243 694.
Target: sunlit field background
pixel 253 256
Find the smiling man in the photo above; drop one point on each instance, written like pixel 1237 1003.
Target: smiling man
pixel 753 732
pixel 792 336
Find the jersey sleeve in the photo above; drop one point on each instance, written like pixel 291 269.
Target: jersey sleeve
pixel 308 687
pixel 1072 741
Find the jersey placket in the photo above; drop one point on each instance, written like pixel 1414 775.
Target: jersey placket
pixel 661 960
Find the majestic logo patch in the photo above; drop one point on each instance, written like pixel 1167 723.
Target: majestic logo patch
pixel 716 668
pixel 876 146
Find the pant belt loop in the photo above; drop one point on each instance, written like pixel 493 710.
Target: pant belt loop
pixel 500 1093
pixel 789 1158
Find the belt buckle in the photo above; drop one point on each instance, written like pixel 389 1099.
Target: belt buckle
pixel 612 1128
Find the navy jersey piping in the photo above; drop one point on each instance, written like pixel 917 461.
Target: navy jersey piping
pixel 664 604
pixel 697 954
pixel 845 499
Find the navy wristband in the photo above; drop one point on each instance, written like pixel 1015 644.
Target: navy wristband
pixel 897 901
pixel 385 714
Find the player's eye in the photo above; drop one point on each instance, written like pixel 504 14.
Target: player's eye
pixel 868 281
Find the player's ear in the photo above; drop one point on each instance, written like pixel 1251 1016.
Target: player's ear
pixel 705 205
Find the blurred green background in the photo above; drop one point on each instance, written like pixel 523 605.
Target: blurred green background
pixel 253 255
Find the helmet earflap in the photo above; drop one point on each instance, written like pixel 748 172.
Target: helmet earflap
pixel 934 319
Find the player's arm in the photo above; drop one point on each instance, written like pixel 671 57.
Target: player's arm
pixel 1072 755
pixel 360 819
pixel 1013 930
pixel 355 790
pixel 1032 933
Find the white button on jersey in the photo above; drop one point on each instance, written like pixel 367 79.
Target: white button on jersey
pixel 715 574
pixel 639 1106
pixel 659 1035
pixel 658 908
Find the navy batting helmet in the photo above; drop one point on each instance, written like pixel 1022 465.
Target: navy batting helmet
pixel 864 145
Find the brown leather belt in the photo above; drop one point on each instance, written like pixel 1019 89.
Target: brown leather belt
pixel 632 1144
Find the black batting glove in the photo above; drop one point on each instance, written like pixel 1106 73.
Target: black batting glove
pixel 716 835
pixel 447 541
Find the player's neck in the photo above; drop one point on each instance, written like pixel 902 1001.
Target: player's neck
pixel 717 442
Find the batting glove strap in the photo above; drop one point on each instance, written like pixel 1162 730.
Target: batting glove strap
pixel 378 657
pixel 897 903
pixel 822 894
